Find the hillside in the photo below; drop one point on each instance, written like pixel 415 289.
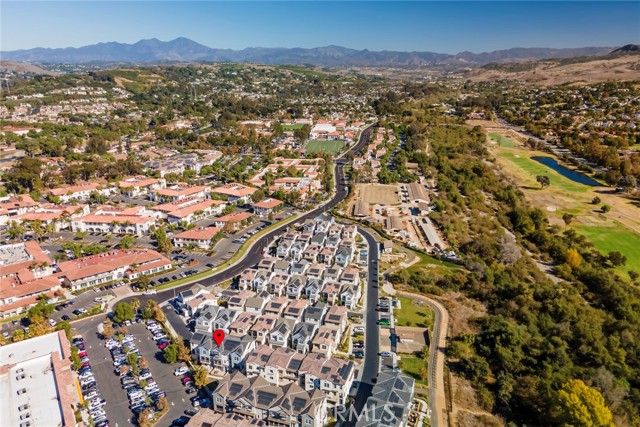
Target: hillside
pixel 553 72
pixel 22 67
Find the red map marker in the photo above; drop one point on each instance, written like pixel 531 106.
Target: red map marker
pixel 218 336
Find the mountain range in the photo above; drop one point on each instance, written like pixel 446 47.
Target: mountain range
pixel 185 50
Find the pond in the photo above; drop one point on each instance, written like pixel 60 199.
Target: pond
pixel 566 172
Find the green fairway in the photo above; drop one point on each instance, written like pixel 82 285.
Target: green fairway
pixel 333 147
pixel 413 313
pixel 502 140
pixel 609 239
pixel 412 366
pixel 533 169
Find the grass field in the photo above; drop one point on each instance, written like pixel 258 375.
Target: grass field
pixel 413 313
pixel 412 366
pixel 614 231
pixel 533 169
pixel 502 140
pixel 333 147
pixel 291 127
pixel 433 265
pixel 609 239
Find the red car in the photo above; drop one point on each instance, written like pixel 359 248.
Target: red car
pixel 163 345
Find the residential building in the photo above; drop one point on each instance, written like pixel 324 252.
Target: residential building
pixel 201 237
pixel 285 406
pixel 235 192
pixel 140 185
pixel 390 401
pixel 112 266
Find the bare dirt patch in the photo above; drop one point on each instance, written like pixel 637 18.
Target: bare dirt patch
pixel 379 194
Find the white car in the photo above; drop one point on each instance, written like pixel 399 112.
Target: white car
pixel 181 370
pixel 91 395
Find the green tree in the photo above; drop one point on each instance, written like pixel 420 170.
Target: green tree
pixel 170 353
pixel 543 180
pixel 579 405
pixel 127 242
pixel 122 312
pixel 65 326
pixel 164 243
pixel 199 376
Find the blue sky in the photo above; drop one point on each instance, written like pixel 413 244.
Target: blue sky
pixel 447 27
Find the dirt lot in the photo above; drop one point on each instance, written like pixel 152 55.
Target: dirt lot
pixel 379 194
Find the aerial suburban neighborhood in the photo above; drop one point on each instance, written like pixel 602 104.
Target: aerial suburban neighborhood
pixel 300 236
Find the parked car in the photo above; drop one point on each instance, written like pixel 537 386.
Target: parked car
pixel 181 370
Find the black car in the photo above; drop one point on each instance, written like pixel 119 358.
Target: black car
pixel 180 422
pixel 65 317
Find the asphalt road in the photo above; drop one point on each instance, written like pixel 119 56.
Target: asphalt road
pixel 371 362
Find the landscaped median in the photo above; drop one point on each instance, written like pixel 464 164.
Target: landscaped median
pixel 231 261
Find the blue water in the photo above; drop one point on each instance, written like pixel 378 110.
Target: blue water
pixel 566 172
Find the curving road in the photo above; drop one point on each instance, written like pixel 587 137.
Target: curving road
pixel 437 349
pixel 254 253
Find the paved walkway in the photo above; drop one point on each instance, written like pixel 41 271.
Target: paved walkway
pixel 437 349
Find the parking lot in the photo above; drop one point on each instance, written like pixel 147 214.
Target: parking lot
pixel 117 407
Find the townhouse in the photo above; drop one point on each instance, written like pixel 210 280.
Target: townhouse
pixel 289 405
pixel 229 356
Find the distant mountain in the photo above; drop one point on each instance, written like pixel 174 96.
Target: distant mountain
pixel 185 50
pixel 628 48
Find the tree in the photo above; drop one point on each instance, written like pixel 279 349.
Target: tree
pixel 16 230
pixel 164 243
pixel 567 218
pixel 616 259
pixel 65 326
pixel 170 353
pixel 579 405
pixel 573 258
pixel 161 403
pixel 184 354
pixel 126 242
pixel 76 363
pixel 122 312
pixel 107 330
pixel 543 180
pixel 200 376
pixel 158 315
pixel 132 359
pixel 628 183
